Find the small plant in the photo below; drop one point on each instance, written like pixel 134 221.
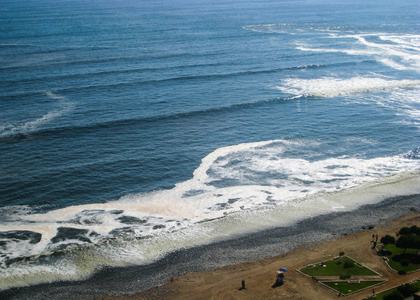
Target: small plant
pixel 341 253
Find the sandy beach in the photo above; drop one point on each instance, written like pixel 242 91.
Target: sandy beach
pixel 259 276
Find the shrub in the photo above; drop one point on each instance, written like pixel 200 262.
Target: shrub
pixel 385 252
pixel 402 272
pixel 395 295
pixel 405 262
pixel 415 259
pixel 348 264
pixel 341 253
pixel 407 290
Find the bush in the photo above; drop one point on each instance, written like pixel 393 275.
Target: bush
pixel 341 253
pixel 343 277
pixel 415 259
pixel 401 257
pixel 402 272
pixel 348 264
pixel 387 240
pixel 384 252
pixel 395 295
pixel 405 262
pixel 406 290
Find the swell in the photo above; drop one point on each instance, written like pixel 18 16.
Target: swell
pixel 142 121
pixel 112 72
pixel 166 80
pixel 137 58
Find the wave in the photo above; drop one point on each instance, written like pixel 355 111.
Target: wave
pixel 296 88
pixel 398 51
pixel 113 84
pixel 33 126
pixel 327 87
pixel 401 53
pixel 126 58
pixel 180 78
pixel 263 187
pixel 101 73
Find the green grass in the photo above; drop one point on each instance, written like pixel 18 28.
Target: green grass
pixel 336 268
pixel 397 265
pixel 382 295
pixel 346 288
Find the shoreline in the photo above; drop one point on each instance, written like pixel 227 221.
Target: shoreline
pixel 259 276
pixel 237 254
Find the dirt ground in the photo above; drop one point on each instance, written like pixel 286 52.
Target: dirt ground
pixel 260 276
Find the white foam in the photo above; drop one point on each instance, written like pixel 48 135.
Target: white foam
pixel 28 127
pixel 261 176
pixel 400 52
pixel 331 86
pixel 127 250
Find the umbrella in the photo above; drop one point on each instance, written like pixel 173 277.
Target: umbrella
pixel 283 269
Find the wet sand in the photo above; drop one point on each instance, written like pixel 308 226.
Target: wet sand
pixel 259 276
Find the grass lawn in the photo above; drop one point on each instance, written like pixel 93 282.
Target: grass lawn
pixel 382 295
pixel 346 288
pixel 396 265
pixel 336 268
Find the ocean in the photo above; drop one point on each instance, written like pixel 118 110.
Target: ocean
pixel 133 132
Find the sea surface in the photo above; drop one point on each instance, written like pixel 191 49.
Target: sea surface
pixel 130 130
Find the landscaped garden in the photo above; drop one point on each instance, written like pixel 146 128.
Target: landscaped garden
pixel 401 292
pixel 343 267
pixel 402 253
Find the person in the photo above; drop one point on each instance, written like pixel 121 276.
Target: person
pixel 280 277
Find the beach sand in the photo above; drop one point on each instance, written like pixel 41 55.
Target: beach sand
pixel 260 276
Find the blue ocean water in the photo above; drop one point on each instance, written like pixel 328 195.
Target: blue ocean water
pixel 130 119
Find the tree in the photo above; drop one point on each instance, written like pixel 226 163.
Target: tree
pixel 387 240
pixel 405 241
pixel 404 230
pixel 410 241
pixel 415 230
